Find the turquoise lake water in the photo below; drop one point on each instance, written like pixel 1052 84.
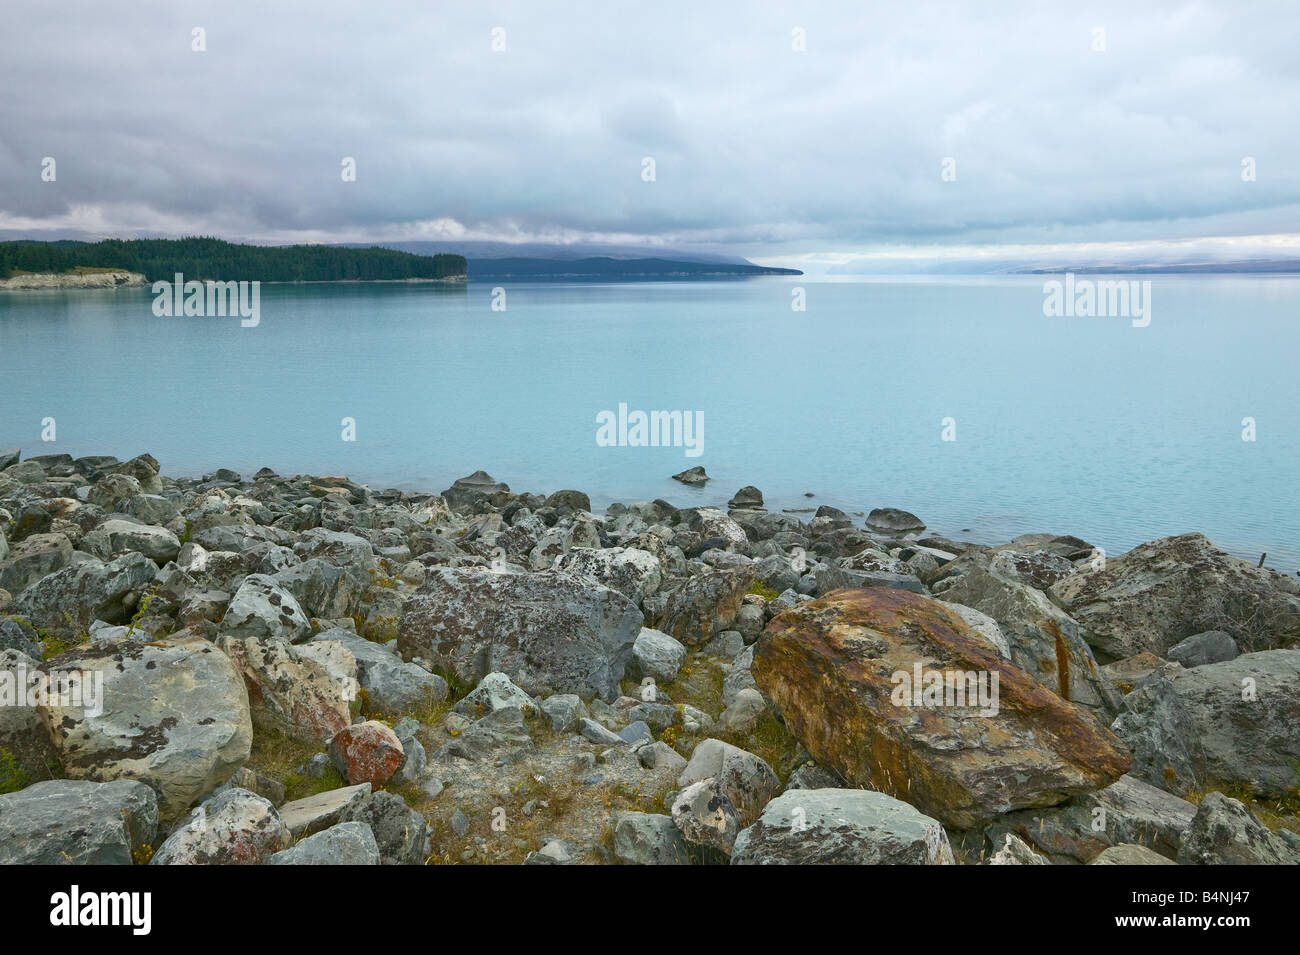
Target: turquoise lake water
pixel 1084 426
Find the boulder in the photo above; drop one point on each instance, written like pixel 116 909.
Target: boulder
pixel 262 610
pixel 1014 851
pixel 235 827
pixel 1225 832
pixel 1213 646
pixel 695 477
pixel 348 843
pixel 743 712
pixel 368 752
pixel 23 737
pixel 174 715
pixel 841 827
pixel 553 852
pixel 304 692
pixel 572 500
pixel 33 558
pixel 151 509
pixel 1221 724
pixel 144 468
pixel 400 832
pixel 748 497
pixel 549 632
pixel 705 816
pixel 321 811
pixel 111 491
pixel 828 577
pixel 636 574
pixel 1163 591
pixel 501 732
pixel 76 822
pixel 891 520
pixel 323 589
pixel 391 684
pixel 643 838
pixel 1127 811
pixel 657 656
pixel 495 692
pixel 840 669
pixel 746 779
pixel 18 637
pixel 85 591
pixel 563 710
pixel 705 605
pixel 114 536
pixel 1128 854
pixel 1044 641
pixel 466 492
pixel 712 524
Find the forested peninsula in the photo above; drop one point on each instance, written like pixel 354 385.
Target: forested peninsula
pixel 220 261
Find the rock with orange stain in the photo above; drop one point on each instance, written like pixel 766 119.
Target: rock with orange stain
pixel 894 692
pixel 304 692
pixel 367 752
pixel 235 827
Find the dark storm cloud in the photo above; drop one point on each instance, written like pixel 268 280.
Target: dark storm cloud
pixel 757 147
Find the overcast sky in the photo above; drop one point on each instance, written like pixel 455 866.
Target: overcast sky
pixel 779 155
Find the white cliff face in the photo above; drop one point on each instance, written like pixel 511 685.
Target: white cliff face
pixel 111 278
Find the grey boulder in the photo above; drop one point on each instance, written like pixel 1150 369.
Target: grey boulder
pixel 1230 723
pixel 173 714
pixel 348 843
pixel 841 827
pixel 1225 832
pixel 75 822
pixel 549 632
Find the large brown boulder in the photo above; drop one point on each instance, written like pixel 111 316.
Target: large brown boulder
pixel 840 668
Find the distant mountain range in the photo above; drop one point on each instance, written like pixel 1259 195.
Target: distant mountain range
pixel 479 249
pixel 555 262
pixel 1248 266
pixel 605 267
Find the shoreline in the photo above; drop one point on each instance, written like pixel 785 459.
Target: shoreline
pixel 989 533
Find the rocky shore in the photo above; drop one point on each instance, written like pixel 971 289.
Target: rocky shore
pixel 303 670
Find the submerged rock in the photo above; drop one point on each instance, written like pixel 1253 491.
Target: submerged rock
pixel 693 476
pixel 891 520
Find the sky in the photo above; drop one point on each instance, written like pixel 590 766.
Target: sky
pixel 1115 129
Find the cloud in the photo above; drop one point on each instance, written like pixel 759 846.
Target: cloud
pixel 757 147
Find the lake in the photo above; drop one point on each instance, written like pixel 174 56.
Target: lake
pixel 1069 425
